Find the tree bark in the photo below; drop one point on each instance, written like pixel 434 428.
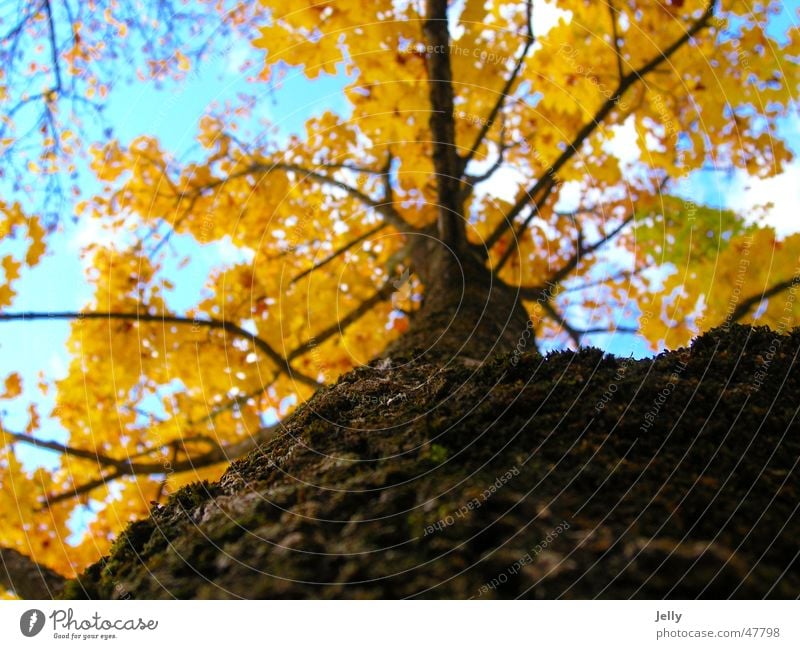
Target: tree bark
pixel 577 475
pixel 446 160
pixel 466 310
pixel 26 578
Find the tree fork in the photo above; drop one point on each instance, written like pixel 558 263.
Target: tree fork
pixel 466 311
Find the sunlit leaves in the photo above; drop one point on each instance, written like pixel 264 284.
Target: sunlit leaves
pixel 13 386
pixel 303 224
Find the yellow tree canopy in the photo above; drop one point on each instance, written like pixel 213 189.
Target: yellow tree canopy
pixel 484 118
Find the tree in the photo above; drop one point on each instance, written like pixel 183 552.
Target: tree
pixel 384 233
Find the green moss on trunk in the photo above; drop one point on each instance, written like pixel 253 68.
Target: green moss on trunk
pixel 571 475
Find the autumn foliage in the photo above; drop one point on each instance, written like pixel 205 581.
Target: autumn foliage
pixel 323 225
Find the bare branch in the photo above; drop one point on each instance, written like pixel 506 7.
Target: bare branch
pixel 362 309
pixel 583 250
pixel 575 333
pixel 225 325
pixel 119 467
pixel 87 487
pixel 498 106
pixel 385 208
pixel 562 322
pixel 65 449
pixel 744 307
pixel 615 35
pixel 338 166
pixel 389 202
pixel 623 274
pixel 128 467
pixel 230 405
pixel 588 129
pixel 386 173
pixel 26 578
pixel 388 196
pixel 521 229
pixel 339 251
pixel 53 46
pixel 471 181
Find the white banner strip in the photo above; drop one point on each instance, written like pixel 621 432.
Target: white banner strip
pixel 401 625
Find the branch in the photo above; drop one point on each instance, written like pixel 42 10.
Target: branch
pixel 605 109
pixel 581 250
pixel 577 334
pixel 225 325
pixel 529 40
pixel 85 488
pixel 236 401
pixel 521 229
pixel 384 208
pixel 379 296
pixel 745 305
pixel 623 274
pixel 354 192
pixel 562 322
pixel 119 467
pixel 53 46
pixel 128 467
pixel 26 578
pixel 340 251
pixel 446 161
pixel 389 198
pixel 65 449
pixel 615 35
pixel 386 173
pixel 338 166
pixel 588 250
pixel 473 180
pixel 535 292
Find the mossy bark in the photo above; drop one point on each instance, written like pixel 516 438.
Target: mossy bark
pixel 467 311
pixel 572 475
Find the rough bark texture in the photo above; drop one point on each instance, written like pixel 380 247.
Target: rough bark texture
pixel 466 311
pixel 446 161
pixel 576 475
pixel 26 578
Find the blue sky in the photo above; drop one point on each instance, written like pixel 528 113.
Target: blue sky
pixel 172 114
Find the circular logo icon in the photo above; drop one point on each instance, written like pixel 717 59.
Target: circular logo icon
pixel 31 622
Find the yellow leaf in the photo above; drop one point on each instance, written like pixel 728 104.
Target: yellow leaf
pixel 11 268
pixel 6 294
pixel 183 62
pixel 34 419
pixel 13 386
pixel 37 247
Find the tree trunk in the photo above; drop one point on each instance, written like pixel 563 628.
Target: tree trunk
pixel 574 475
pixel 466 312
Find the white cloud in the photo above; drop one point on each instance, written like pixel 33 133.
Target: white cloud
pixel 236 58
pixel 623 145
pixel 504 184
pixel 569 197
pixel 58 364
pixel 229 253
pixel 745 193
pixel 92 230
pixel 546 16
